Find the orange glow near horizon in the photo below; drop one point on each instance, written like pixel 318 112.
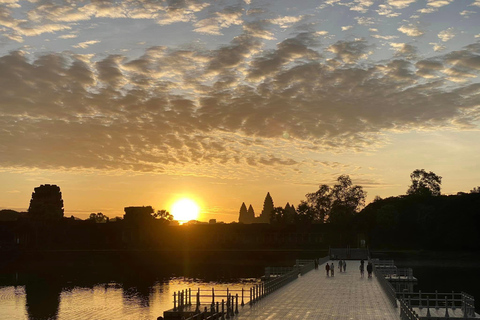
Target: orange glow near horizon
pixel 185 209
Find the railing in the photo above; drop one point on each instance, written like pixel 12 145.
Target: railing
pixel 386 286
pixel 213 308
pixel 276 271
pixel 394 272
pixel 406 312
pixel 212 314
pixel 435 300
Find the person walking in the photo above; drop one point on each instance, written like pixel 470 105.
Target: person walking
pixel 344 266
pixel 362 270
pixel 327 268
pixel 332 269
pixel 340 265
pixel 369 269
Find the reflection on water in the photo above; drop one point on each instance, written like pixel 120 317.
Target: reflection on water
pixel 42 298
pixel 135 297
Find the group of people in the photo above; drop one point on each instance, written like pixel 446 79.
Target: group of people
pixel 369 269
pixel 342 266
pixel 330 269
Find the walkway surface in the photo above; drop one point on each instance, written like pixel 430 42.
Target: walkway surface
pixel 316 296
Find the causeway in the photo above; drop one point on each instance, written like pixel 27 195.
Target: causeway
pixel 346 296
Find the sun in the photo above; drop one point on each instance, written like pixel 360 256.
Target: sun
pixel 185 210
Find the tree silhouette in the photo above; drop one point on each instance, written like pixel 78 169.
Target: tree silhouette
pixel 98 217
pixel 424 183
pixel 475 190
pixel 335 204
pixel 163 215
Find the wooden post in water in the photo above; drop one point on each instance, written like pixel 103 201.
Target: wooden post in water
pixel 197 309
pixel 420 299
pixel 228 307
pixel 174 301
pixel 213 296
pixel 242 298
pixel 436 300
pixel 236 303
pixel 250 302
pixel 223 309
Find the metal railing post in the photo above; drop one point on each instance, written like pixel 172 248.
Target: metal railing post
pixel 446 308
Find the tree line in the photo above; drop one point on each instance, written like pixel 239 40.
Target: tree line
pixel 422 218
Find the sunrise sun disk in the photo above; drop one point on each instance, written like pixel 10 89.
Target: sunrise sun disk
pixel 185 210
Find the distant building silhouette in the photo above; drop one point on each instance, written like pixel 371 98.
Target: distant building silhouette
pixel 46 203
pixel 138 214
pixel 250 215
pixel 289 213
pixel 267 211
pixel 242 218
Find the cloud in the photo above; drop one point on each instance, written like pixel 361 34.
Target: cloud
pixel 85 44
pixel 286 21
pixel 360 5
pixel 345 28
pixel 68 36
pixel 365 21
pixel 429 68
pixel 467 13
pixel 350 51
pixel 377 36
pixel 400 4
pixel 258 29
pixel 386 10
pixel 411 30
pixel 220 20
pixel 437 47
pixel 446 35
pixel 226 110
pixel 438 3
pixel 404 50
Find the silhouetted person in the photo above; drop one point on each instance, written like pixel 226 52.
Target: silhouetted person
pixel 340 265
pixel 327 268
pixel 362 270
pixel 369 269
pixel 332 269
pixel 316 264
pixel 344 266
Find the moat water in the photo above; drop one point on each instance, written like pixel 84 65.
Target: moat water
pixel 140 294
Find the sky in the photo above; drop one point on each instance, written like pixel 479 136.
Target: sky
pixel 143 102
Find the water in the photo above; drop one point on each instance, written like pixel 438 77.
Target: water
pixel 144 293
pixel 444 275
pixel 45 300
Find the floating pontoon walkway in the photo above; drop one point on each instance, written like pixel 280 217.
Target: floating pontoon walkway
pixel 316 296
